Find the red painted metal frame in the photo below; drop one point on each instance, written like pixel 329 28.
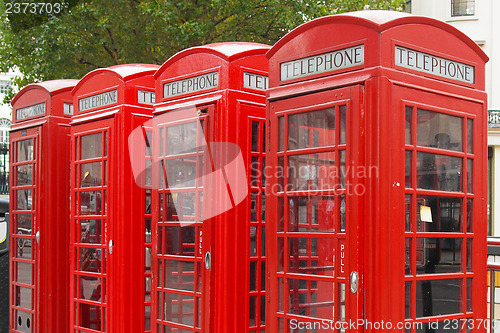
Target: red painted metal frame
pixel 48 211
pixel 388 90
pixel 111 294
pixel 237 256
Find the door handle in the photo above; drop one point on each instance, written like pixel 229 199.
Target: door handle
pixel 37 236
pixel 208 260
pixel 354 282
pixel 110 246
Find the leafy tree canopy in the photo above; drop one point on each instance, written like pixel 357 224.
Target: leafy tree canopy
pixel 88 34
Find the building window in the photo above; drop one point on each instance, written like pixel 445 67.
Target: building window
pixel 463 7
pixel 5 86
pixel 4 155
pixel 408 6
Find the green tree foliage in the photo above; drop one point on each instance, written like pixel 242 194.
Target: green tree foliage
pixel 89 34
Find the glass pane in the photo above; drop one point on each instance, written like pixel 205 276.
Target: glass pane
pixel 179 240
pixel 342 211
pixel 469 215
pixel 24 249
pixel 178 309
pixel 91 174
pixel 181 172
pixel 24 273
pixel 408 300
pixel 439 255
pixel 180 207
pixel 89 316
pixel 343 121
pixel 91 145
pixel 469 255
pixel 24 199
pixel 408 167
pixel 90 203
pixel 408 213
pixel 25 150
pixel 90 260
pixel 90 288
pixel 23 297
pixel 254 172
pixel 311 256
pixel 312 214
pixel 341 292
pixel 24 175
pixel 23 224
pixel 438 297
pixel 470 135
pixel 311 298
pixel 90 231
pixel 439 172
pixel 469 295
pixel 342 170
pixel 469 176
pixel 408 116
pixel 438 214
pixel 312 171
pixel 281 133
pixel 255 136
pixel 439 130
pixel 408 256
pixel 179 275
pixel 181 139
pixel 311 129
pixel 148 139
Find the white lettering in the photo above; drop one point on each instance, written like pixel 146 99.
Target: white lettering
pixel 30 111
pixel 145 97
pixel 322 63
pixel 428 63
pixel 255 81
pixel 192 84
pixel 96 101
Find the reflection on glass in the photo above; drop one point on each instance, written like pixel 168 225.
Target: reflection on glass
pixel 181 172
pixel 24 175
pixel 281 214
pixel 469 255
pixel 439 130
pixel 342 125
pixel 90 260
pixel 469 295
pixel 470 134
pixel 90 203
pixel 438 297
pixel 90 316
pixel 408 256
pixel 281 133
pixel 408 167
pixel 311 256
pixel 24 199
pixel 438 214
pixel 148 139
pixel 179 240
pixel 408 116
pixel 23 222
pixel 469 215
pixel 25 150
pixel 181 139
pixel 254 171
pixel 178 309
pixel 311 298
pixel 24 273
pixel 342 168
pixel 91 146
pixel 179 275
pixel 469 176
pixel 439 172
pixel 312 214
pixel 23 246
pixel 342 211
pixel 408 300
pixel 255 136
pixel 312 171
pixel 180 206
pixel 90 231
pixel 341 292
pixel 438 255
pixel 23 298
pixel 311 129
pixel 408 213
pixel 91 174
pixel 90 288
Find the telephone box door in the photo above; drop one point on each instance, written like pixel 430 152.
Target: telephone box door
pixel 90 236
pixel 316 211
pixel 24 254
pixel 184 258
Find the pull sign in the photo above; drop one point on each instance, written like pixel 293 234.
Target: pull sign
pixel 37 236
pixel 354 282
pixel 208 260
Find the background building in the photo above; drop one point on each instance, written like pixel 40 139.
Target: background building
pixel 478 19
pixel 5 119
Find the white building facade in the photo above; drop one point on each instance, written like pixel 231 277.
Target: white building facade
pixel 479 20
pixel 5 121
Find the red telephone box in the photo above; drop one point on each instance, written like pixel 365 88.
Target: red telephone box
pixel 39 206
pixel 208 240
pixel 376 195
pixel 110 217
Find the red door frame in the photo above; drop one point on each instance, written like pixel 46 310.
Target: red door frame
pixel 353 98
pixel 105 233
pixel 15 296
